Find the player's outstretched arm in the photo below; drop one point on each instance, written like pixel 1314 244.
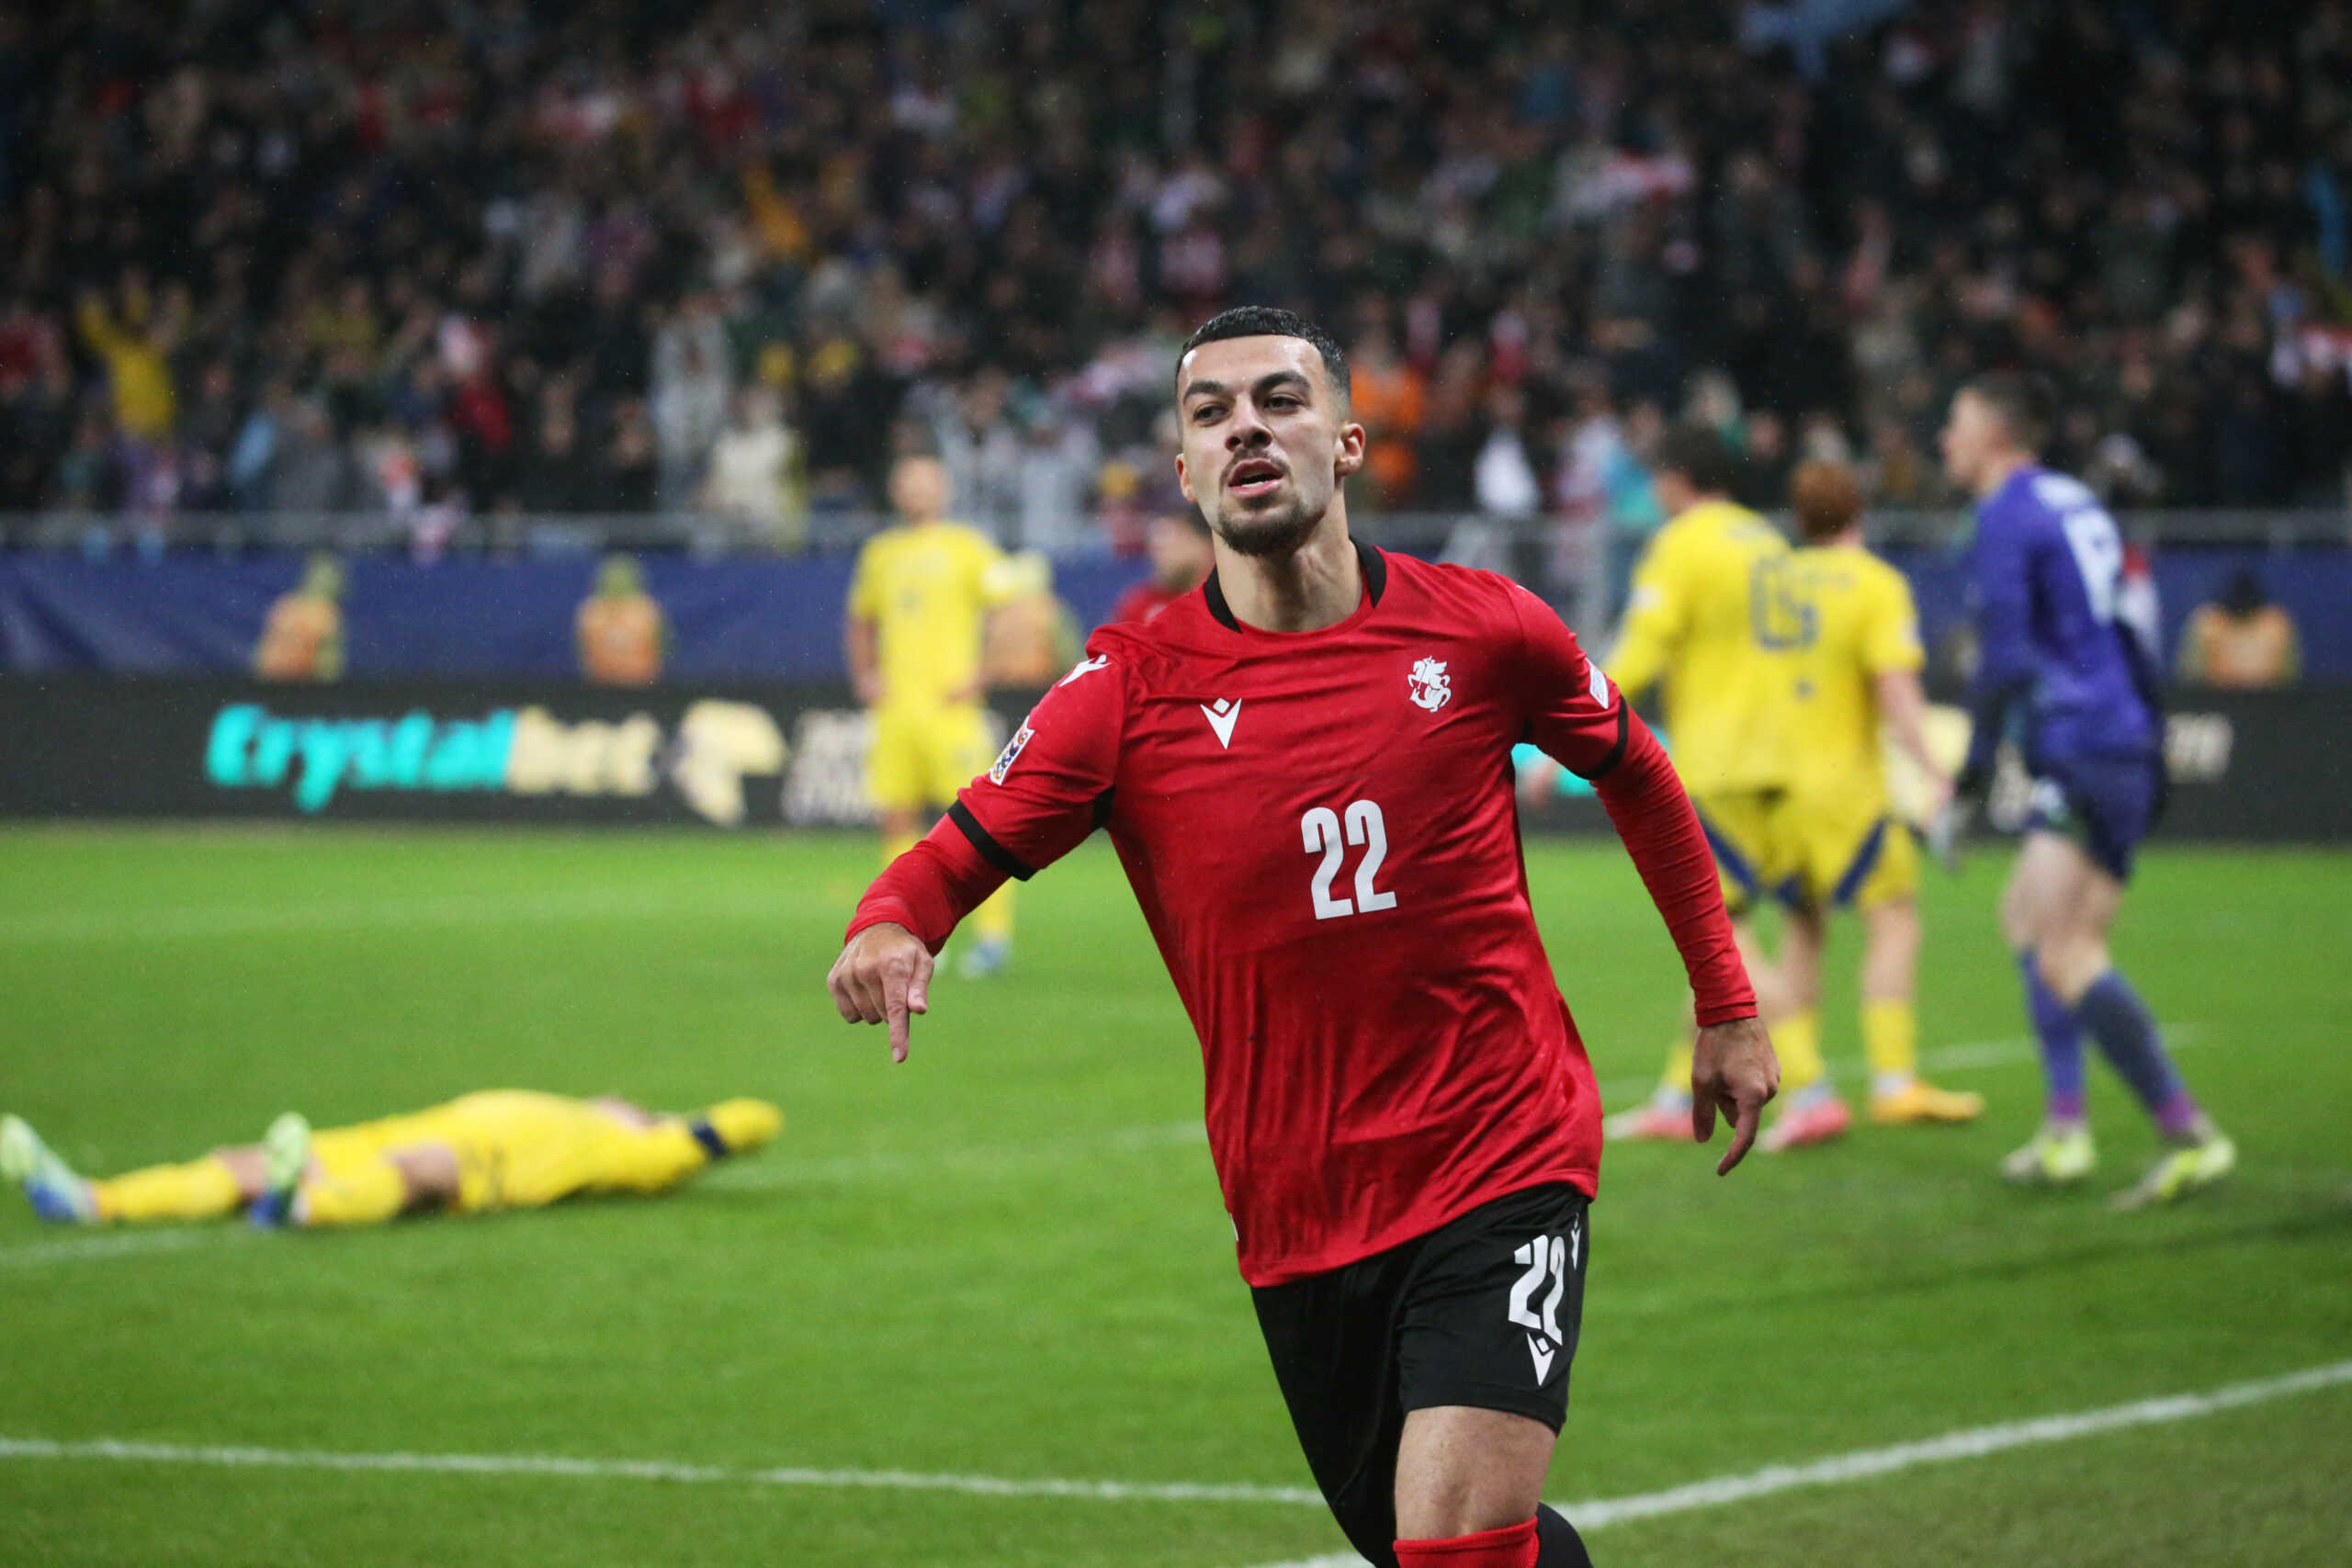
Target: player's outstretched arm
pixel 1732 1069
pixel 883 975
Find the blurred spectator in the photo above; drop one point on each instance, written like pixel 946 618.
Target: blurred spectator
pixel 1766 462
pixel 302 637
pixel 1054 471
pixel 690 396
pixel 620 631
pixel 1388 402
pixel 134 339
pixel 2242 639
pixel 982 449
pixel 1181 559
pixel 554 475
pixel 629 467
pixel 1598 472
pixel 1835 210
pixel 308 470
pixel 36 425
pixel 753 471
pixel 1505 474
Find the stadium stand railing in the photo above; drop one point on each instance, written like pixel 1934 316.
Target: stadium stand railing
pixel 707 533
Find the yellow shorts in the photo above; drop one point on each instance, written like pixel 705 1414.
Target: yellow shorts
pixel 1749 830
pixel 921 757
pixel 1848 854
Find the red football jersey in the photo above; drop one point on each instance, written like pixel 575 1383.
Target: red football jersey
pixel 1322 831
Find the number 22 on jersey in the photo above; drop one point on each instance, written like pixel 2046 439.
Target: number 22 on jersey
pixel 1322 831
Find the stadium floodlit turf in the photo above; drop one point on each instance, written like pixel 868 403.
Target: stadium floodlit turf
pixel 1007 1259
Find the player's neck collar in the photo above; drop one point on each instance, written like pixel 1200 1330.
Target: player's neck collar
pixel 1375 584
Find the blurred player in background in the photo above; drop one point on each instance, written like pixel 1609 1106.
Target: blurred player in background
pixel 1181 559
pixel 499 1149
pixel 919 607
pixel 1858 658
pixel 1307 804
pixel 1712 626
pixel 620 631
pixel 303 639
pixel 2055 655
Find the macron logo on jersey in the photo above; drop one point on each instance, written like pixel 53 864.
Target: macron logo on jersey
pixel 1083 667
pixel 1221 717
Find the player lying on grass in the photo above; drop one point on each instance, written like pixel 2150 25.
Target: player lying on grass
pixel 1304 766
pixel 498 1149
pixel 2062 670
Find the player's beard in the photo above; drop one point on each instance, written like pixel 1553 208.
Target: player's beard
pixel 1277 531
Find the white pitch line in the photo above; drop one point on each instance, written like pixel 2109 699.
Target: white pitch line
pixel 245 1458
pixel 41 1254
pixel 1972 1442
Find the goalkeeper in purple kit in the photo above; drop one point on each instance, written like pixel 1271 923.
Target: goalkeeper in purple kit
pixel 2066 676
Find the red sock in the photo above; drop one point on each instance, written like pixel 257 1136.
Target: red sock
pixel 1513 1546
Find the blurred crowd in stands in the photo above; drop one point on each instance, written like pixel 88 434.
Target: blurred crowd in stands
pixel 506 257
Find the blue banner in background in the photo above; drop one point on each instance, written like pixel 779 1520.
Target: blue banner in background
pixel 747 618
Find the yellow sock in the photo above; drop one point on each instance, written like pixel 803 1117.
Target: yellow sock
pixel 992 921
pixel 1675 1083
pixel 360 1192
pixel 200 1190
pixel 1797 1038
pixel 1891 1039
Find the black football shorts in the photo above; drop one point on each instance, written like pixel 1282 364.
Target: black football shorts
pixel 1482 1311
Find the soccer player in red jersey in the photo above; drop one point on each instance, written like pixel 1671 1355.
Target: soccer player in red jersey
pixel 1305 768
pixel 1181 558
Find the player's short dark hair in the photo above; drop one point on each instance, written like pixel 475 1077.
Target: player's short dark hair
pixel 1266 320
pixel 1700 454
pixel 2022 401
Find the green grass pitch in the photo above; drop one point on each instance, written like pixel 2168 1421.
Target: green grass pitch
pixel 1008 1258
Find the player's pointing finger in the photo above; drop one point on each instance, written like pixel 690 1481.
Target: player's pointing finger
pixel 1745 1117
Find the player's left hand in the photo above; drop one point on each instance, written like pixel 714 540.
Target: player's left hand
pixel 1732 1069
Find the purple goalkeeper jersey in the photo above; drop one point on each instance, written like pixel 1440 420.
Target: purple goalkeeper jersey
pixel 2045 577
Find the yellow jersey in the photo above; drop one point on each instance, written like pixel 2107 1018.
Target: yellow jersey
pixel 928 587
pixel 1713 624
pixel 1863 626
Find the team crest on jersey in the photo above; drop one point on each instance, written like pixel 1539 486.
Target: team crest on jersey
pixel 1429 685
pixel 1011 752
